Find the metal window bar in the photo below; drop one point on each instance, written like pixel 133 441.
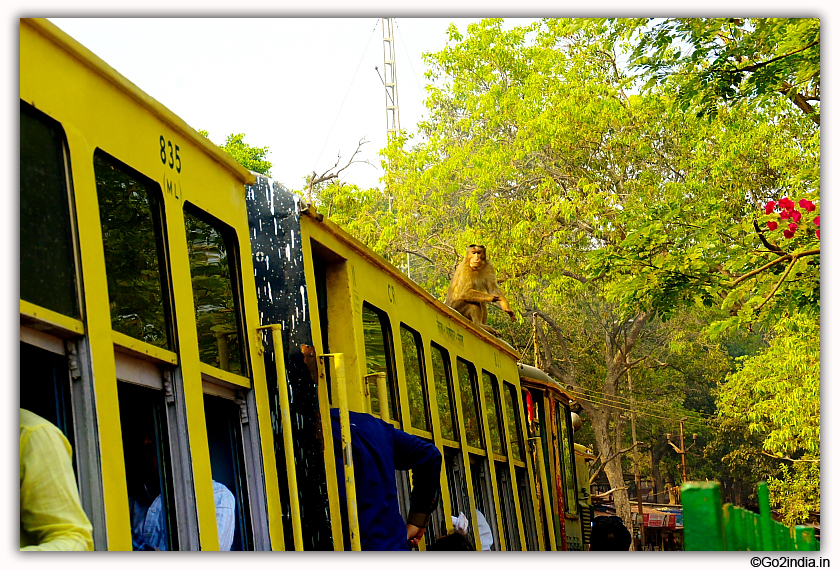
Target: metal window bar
pixel 339 390
pixel 288 442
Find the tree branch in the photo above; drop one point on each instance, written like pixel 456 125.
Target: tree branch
pixel 786 458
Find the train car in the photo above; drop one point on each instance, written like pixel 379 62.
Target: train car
pixel 189 325
pixel 583 458
pixel 138 312
pixel 563 501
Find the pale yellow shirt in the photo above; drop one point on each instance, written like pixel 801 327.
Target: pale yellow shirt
pixel 51 515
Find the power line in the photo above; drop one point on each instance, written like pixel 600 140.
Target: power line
pixel 623 400
pixel 347 93
pixel 688 420
pixel 402 39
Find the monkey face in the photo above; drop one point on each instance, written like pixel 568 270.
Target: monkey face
pixel 477 256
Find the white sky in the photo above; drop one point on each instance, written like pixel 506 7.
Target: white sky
pixel 306 88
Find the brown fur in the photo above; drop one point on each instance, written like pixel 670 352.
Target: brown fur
pixel 474 285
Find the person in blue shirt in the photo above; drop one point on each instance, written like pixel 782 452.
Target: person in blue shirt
pixel 379 450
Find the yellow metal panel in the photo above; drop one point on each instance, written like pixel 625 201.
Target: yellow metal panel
pixel 230 377
pixel 55 322
pixel 286 424
pixel 98 320
pixel 143 348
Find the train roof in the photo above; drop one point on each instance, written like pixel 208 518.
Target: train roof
pixel 537 376
pixel 383 264
pixel 98 66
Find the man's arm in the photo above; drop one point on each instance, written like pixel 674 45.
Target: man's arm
pixel 225 514
pixel 50 510
pixel 424 460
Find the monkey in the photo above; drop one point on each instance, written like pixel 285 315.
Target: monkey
pixel 474 285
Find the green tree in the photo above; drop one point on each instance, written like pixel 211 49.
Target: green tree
pixel 534 147
pixel 776 395
pixel 251 157
pixel 714 61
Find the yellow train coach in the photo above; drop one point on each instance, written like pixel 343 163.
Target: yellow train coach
pixel 188 325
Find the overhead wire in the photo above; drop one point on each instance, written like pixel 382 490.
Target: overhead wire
pixel 623 400
pixel 347 93
pixel 693 421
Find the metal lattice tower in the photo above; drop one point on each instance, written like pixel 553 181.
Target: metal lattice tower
pixel 392 109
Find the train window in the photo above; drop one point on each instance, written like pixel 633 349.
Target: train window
pixel 379 355
pixel 526 505
pixel 415 378
pixel 45 388
pixel 507 506
pixel 563 422
pixel 472 420
pixel 227 461
pixel 513 423
pixel 148 467
pixel 442 373
pixel 48 275
pixel 131 211
pixel 213 254
pixel 491 397
pixel 483 493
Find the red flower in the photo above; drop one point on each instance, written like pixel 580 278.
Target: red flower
pixel 788 234
pixel 818 234
pixel 796 215
pixel 787 203
pixel 772 225
pixel 792 227
pixel 785 215
pixel 768 208
pixel 807 205
pixel 817 220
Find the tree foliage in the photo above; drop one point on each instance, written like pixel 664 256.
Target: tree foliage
pixel 620 225
pixel 715 61
pixel 775 394
pixel 251 157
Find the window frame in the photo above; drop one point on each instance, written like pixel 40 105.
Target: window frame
pixel 450 394
pixel 234 262
pixel 424 380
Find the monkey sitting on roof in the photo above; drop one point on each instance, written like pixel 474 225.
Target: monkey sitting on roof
pixel 474 285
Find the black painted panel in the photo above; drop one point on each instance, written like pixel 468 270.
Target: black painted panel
pixel 274 219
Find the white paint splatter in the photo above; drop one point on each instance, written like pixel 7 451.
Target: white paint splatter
pixel 303 300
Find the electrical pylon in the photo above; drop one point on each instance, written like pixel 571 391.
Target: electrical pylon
pixel 392 109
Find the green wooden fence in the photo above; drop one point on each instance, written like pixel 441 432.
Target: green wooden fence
pixel 710 526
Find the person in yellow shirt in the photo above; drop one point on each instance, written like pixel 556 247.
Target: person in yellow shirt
pixel 51 514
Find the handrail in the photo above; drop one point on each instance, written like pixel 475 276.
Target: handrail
pixel 708 526
pixel 288 440
pixel 340 389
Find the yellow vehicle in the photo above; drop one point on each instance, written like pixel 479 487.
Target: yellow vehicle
pixel 188 324
pixel 564 504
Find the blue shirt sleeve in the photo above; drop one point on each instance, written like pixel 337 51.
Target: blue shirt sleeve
pixel 424 461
